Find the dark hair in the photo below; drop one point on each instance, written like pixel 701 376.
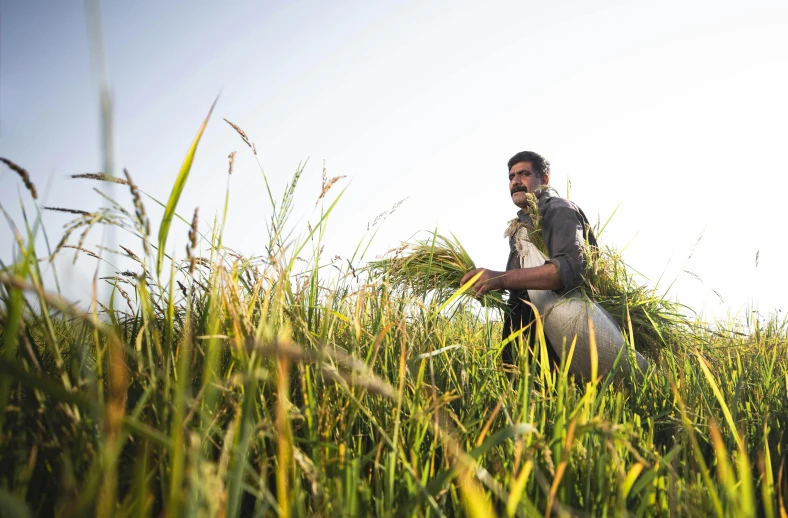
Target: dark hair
pixel 540 163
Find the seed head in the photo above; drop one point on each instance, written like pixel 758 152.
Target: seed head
pixel 241 132
pixel 131 254
pixel 193 241
pixel 125 296
pixel 533 209
pixel 139 211
pixel 193 230
pixel 71 211
pixel 102 177
pixel 82 249
pixel 232 161
pixel 327 183
pixel 183 290
pixel 24 174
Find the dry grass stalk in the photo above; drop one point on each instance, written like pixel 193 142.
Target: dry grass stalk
pixel 139 211
pixel 81 249
pixel 60 244
pixel 84 219
pixel 24 174
pixel 125 296
pixel 117 278
pixel 386 213
pixel 131 254
pixel 231 156
pixel 101 177
pixel 84 235
pixel 113 204
pixel 241 132
pixel 327 183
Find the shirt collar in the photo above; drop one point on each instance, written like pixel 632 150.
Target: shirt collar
pixel 545 192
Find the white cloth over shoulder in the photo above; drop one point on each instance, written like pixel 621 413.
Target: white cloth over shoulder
pixel 566 317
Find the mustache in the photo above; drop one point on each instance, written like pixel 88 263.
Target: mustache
pixel 519 188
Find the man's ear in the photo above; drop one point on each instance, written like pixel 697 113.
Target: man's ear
pixel 545 179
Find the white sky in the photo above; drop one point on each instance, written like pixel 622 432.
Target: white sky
pixel 676 110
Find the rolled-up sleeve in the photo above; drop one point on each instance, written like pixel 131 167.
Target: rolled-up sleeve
pixel 563 233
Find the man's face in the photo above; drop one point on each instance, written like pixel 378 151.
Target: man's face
pixel 522 179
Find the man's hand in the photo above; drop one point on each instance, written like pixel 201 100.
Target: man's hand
pixel 489 280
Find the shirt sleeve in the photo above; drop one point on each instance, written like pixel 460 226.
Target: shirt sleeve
pixel 563 231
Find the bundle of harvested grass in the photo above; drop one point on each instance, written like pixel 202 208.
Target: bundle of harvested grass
pixel 436 265
pixel 647 317
pixel 433 266
pixel 652 320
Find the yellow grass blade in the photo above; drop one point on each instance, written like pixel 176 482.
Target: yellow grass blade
pixel 630 479
pixel 559 472
pixel 724 469
pixel 459 292
pixel 487 425
pixel 767 480
pixel 746 489
pixel 720 399
pixel 698 454
pixel 783 513
pixel 476 503
pixel 518 488
pixel 593 351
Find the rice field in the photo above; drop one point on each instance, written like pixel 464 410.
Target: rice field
pixel 213 384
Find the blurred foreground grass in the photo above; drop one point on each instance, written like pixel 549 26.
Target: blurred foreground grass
pixel 220 385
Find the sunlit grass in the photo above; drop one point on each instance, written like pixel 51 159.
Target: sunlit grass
pixel 264 386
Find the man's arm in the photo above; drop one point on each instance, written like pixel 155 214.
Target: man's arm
pixel 564 238
pixel 543 277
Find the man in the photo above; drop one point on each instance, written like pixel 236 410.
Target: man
pixel 565 230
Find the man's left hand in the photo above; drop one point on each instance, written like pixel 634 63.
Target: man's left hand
pixel 489 280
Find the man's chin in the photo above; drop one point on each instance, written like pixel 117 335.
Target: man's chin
pixel 520 199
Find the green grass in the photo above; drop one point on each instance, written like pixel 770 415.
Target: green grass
pixel 432 267
pixel 268 386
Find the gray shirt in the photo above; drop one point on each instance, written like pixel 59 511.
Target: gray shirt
pixel 564 230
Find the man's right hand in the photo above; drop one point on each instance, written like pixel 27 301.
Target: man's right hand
pixel 489 280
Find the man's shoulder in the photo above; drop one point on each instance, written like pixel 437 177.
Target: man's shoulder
pixel 552 204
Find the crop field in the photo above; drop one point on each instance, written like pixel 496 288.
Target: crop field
pixel 291 384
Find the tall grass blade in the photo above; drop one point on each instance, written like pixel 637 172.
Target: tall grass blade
pixel 459 292
pixel 177 189
pixel 720 399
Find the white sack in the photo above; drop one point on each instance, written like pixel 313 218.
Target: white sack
pixel 565 317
